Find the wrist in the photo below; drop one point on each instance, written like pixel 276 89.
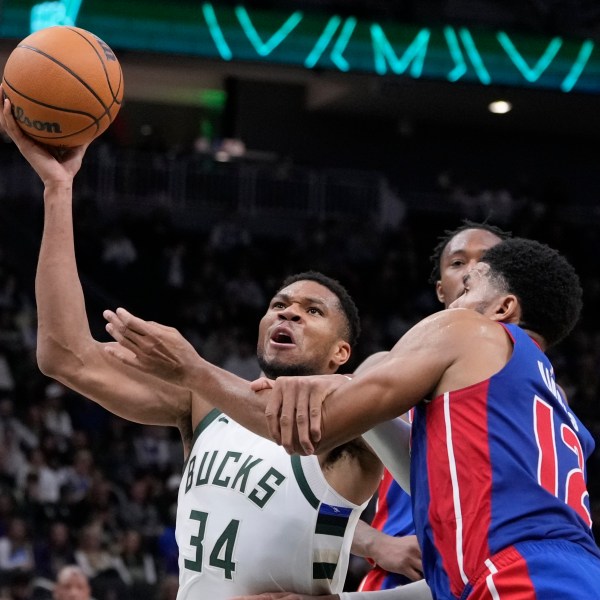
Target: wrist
pixel 54 187
pixel 365 542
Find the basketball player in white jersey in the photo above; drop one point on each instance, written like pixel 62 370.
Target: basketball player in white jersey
pixel 250 518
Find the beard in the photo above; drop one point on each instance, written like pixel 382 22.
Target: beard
pixel 274 369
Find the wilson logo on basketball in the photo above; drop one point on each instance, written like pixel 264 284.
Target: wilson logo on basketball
pixel 22 118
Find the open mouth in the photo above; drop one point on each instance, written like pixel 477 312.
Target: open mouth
pixel 282 337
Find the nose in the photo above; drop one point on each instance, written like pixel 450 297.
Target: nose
pixel 290 313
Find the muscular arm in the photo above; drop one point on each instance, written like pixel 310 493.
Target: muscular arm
pixel 66 350
pixel 447 351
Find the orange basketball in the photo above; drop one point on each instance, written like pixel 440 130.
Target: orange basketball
pixel 65 85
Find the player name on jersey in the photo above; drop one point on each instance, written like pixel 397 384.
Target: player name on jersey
pixel 232 470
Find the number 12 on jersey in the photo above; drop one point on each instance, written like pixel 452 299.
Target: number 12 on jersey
pixel 548 467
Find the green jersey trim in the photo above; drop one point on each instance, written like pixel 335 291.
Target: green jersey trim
pixel 302 483
pixel 204 423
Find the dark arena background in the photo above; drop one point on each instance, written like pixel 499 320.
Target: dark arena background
pixel 257 140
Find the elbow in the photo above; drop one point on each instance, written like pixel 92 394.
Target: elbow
pixel 53 358
pixel 46 361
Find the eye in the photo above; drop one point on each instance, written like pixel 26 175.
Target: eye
pixel 457 262
pixel 314 311
pixel 278 304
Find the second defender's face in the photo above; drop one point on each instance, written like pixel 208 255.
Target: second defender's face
pixel 301 330
pixel 460 255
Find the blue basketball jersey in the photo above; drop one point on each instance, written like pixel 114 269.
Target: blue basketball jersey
pixel 498 464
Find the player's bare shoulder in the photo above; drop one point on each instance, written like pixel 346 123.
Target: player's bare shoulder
pixel 454 326
pixel 441 333
pixel 473 327
pixel 479 345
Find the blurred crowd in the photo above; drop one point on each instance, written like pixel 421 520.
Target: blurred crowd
pixel 78 485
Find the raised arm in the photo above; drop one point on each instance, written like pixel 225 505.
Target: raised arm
pixel 66 350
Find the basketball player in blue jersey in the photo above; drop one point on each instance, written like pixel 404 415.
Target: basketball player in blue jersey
pixel 456 252
pixel 240 493
pixel 498 465
pixel 498 457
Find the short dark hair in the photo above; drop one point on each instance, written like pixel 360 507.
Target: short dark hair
pixel 444 240
pixel 545 283
pixel 346 303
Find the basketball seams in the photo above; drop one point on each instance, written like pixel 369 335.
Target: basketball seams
pixel 103 63
pixel 58 108
pixel 68 70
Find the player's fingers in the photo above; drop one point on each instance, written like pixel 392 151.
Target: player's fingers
pixel 417 565
pixel 10 125
pixel 121 333
pixel 5 107
pixel 124 342
pixel 262 383
pixel 115 326
pixel 131 328
pixel 8 122
pixel 126 358
pixel 287 414
pixel 315 404
pixel 133 323
pixel 302 403
pixel 413 574
pixel 272 414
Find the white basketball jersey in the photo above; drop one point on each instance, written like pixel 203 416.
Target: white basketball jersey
pixel 252 519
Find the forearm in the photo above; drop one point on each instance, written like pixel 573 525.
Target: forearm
pixel 363 540
pixel 413 591
pixel 354 409
pixel 66 349
pixel 409 373
pixel 62 321
pixel 230 394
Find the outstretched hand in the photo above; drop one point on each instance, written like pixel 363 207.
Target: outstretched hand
pixel 53 165
pixel 149 346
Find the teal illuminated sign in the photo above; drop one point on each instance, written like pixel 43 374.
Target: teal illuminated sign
pixel 320 41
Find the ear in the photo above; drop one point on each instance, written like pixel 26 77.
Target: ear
pixel 507 310
pixel 342 353
pixel 439 292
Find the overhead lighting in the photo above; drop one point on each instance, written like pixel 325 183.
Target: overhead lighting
pixel 500 107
